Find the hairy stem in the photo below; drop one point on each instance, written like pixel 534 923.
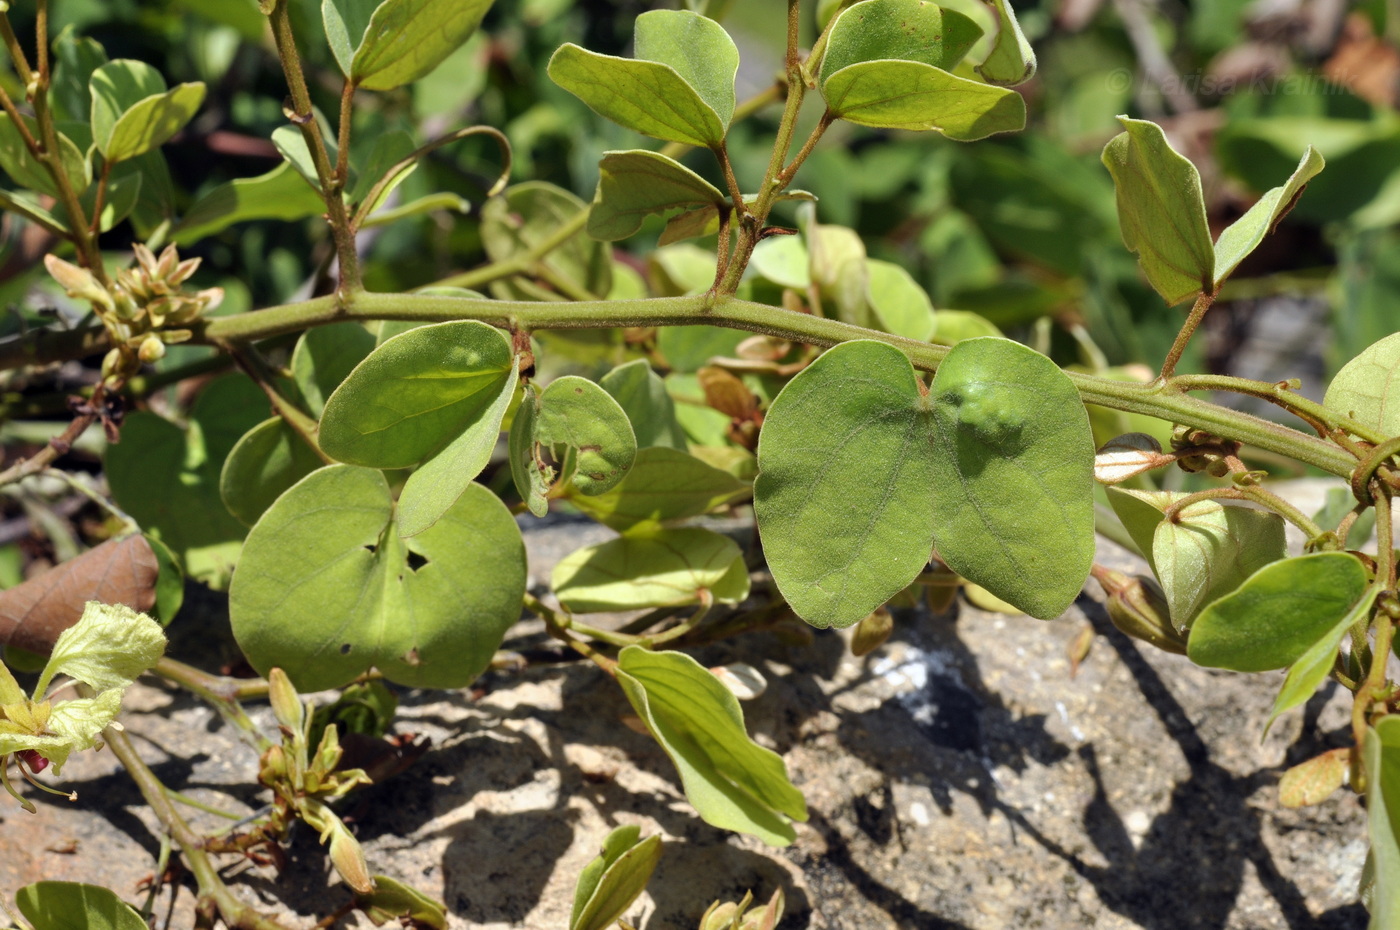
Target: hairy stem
pixel 1193 320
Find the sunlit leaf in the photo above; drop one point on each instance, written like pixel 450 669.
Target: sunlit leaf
pixel 609 884
pixel 662 567
pixel 664 484
pixel 1244 235
pixel 1012 60
pixel 406 39
pixel 635 184
pixel 1367 389
pixel 905 30
pixel 915 96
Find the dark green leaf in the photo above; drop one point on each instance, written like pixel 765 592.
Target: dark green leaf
pixel 1013 478
pixel 328 589
pixel 664 484
pixel 70 905
pixel 268 460
pixel 75 59
pixel 281 194
pixel 652 567
pixel 170 582
pixel 1280 612
pixel 632 185
pixel 1367 389
pixel 406 39
pixel 609 884
pixel 1312 667
pixel 1244 235
pixel 1161 210
pixel 346 22
pixel 734 783
pixel 25 171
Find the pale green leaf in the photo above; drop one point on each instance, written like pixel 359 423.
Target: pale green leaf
pixel 1013 478
pixel 1380 755
pixel 151 122
pixel 664 485
pixel 665 567
pixel 108 648
pixel 635 184
pixel 642 395
pixel 911 95
pixel 280 194
pixel 951 327
pixel 1161 211
pixel 269 459
pixel 406 39
pixel 609 884
pixel 696 48
pixel 328 589
pixel 115 88
pixel 901 306
pixel 1012 60
pixel 1278 614
pixel 1367 389
pixel 734 783
pixel 576 413
pixel 532 476
pixel 905 30
pixel 1244 235
pixel 324 357
pixel 292 144
pixel 530 213
pixel 67 905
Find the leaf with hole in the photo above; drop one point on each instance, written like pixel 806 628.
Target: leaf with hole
pixel 328 588
pixel 733 783
pixel 1278 614
pixel 1161 210
pixel 635 184
pixel 652 567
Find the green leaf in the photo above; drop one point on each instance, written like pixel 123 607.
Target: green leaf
pixel 1281 611
pixel 1161 210
pixel 642 395
pixel 951 327
pixel 167 478
pixel 655 567
pixel 416 393
pixel 65 905
pixel 152 122
pixel 25 171
pixel 578 414
pixel 1012 60
pixel 1013 483
pixel 292 144
pixel 1244 234
pixel 170 582
pixel 280 194
pixel 530 213
pixel 346 22
pixel 268 460
pixel 915 96
pixel 901 306
pixel 123 191
pixel 407 39
pixel 1312 667
pixel 680 87
pixel 663 485
pixel 635 184
pixel 532 476
pixel 844 491
pixel 609 884
pixel 75 59
pixel 898 30
pixel 734 783
pixel 109 647
pixel 1380 754
pixel 115 88
pixel 390 151
pixel 392 900
pixel 1367 389
pixel 324 357
pixel 1206 553
pixel 1339 502
pixel 328 589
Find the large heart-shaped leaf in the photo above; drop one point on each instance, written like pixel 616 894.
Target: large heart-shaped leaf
pixel 1244 235
pixel 1381 757
pixel 1280 612
pixel 664 484
pixel 1367 389
pixel 734 783
pixel 1161 210
pixel 328 589
pixel 652 567
pixel 1207 552
pixel 844 496
pixel 633 185
pixel 406 39
pixel 1013 481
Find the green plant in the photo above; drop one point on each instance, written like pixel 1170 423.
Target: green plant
pixel 358 541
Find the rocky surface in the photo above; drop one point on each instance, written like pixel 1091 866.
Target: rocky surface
pixel 958 777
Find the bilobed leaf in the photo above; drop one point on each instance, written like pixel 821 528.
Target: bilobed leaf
pixel 324 357
pixel 1380 754
pixel 586 430
pixel 1278 614
pixel 911 95
pixel 25 171
pixel 328 589
pixel 609 884
pixel 268 460
pixel 1013 475
pixel 1206 553
pixel 1312 667
pixel 280 194
pixel 658 567
pixel 905 30
pixel 734 783
pixel 664 484
pixel 65 905
pixel 1244 235
pixel 642 395
pixel 1161 210
pixel 1367 389
pixel 901 306
pixel 632 185
pixel 406 39
pixel 1012 60
pixel 844 495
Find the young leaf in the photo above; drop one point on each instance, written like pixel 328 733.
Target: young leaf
pixel 579 415
pixel 609 884
pixel 1206 553
pixel 268 460
pixel 642 395
pixel 1012 60
pixel 1013 481
pixel 393 901
pixel 1280 612
pixel 1367 389
pixel 653 567
pixel 734 783
pixel 132 112
pixel 115 88
pixel 915 96
pixel 632 185
pixel 1161 211
pixel 406 39
pixel 1244 234
pixel 280 194
pixel 1314 781
pixel 663 485
pixel 108 648
pixel 328 589
pixel 898 30
pixel 844 495
pixel 1313 666
pixel 1380 754
pixel 63 905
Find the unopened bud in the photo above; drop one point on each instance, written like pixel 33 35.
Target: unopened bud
pixel 872 632
pixel 286 705
pixel 1138 607
pixel 152 349
pixel 349 859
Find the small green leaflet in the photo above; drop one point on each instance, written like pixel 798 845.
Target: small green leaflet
pixel 635 184
pixel 609 884
pixel 1244 235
